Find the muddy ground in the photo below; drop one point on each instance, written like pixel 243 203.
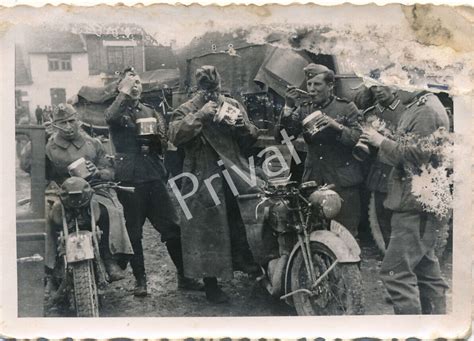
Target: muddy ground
pixel 247 297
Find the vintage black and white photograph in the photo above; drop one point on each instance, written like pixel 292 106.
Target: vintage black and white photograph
pixel 276 161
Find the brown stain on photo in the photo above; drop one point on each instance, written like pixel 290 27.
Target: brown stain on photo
pixel 261 11
pixel 441 26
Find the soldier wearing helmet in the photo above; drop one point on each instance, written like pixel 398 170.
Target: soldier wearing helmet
pixel 68 144
pixel 329 159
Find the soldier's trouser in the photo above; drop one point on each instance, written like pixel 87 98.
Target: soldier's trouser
pixel 349 216
pixel 384 216
pixel 150 200
pixel 410 269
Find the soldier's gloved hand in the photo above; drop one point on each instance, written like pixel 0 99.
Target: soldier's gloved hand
pixel 291 95
pixel 208 110
pixel 91 167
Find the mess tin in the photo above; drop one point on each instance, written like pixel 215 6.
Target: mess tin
pixel 227 113
pixel 310 123
pixel 146 126
pixel 78 168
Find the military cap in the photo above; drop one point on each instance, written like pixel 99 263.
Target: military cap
pixel 312 70
pixel 208 78
pixel 122 73
pixel 63 112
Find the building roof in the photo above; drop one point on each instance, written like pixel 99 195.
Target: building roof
pixel 115 30
pixel 49 40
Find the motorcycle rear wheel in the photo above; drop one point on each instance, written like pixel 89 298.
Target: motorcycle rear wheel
pixel 85 289
pixel 340 293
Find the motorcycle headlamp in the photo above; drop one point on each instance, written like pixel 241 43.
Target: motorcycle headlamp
pixel 75 192
pixel 326 200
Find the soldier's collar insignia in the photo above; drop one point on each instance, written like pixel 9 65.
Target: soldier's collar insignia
pixel 395 104
pixel 380 108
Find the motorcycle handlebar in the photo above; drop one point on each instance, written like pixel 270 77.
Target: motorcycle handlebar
pixel 126 189
pixel 114 186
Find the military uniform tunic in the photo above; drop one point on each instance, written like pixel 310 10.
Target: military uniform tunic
pixel 139 163
pixel 329 159
pixel 377 177
pixel 61 153
pixel 410 269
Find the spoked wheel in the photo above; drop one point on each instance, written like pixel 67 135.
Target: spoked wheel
pixel 339 293
pixel 85 290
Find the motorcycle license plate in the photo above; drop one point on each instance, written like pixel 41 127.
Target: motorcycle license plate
pixel 79 247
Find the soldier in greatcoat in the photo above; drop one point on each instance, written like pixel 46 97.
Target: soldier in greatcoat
pixel 214 237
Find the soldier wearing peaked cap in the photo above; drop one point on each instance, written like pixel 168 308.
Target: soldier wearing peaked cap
pixel 410 269
pixel 329 159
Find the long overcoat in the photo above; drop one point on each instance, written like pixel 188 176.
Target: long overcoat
pixel 206 236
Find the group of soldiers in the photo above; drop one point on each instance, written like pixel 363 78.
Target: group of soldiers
pixel 410 270
pixel 213 243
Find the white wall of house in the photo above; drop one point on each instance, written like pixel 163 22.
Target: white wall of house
pixel 43 79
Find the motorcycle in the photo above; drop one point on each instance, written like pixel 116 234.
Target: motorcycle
pixel 82 269
pixel 308 260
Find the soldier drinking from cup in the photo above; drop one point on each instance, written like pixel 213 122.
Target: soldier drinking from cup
pixel 214 237
pixel 333 131
pixel 139 164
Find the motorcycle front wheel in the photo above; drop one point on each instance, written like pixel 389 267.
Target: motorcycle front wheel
pixel 339 293
pixel 85 289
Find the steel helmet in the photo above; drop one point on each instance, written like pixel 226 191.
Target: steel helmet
pixel 329 201
pixel 75 192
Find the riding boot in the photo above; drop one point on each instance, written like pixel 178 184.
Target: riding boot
pixel 214 293
pixel 245 264
pixel 175 252
pixel 433 305
pixel 140 289
pixel 137 262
